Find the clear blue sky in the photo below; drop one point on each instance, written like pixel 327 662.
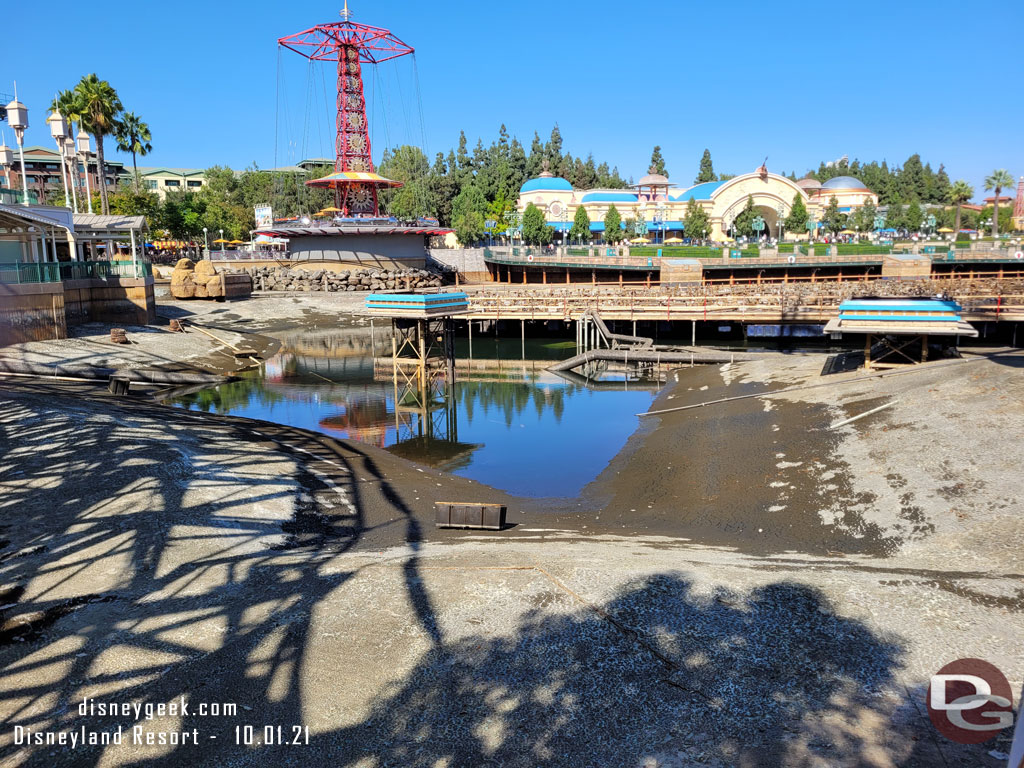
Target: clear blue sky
pixel 798 82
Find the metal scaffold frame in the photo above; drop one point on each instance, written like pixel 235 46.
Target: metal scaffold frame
pixel 423 365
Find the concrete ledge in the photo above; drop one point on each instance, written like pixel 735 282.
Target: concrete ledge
pixel 42 311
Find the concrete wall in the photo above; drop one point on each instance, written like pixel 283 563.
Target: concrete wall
pixel 40 311
pixel 468 261
pixel 32 312
pixel 384 251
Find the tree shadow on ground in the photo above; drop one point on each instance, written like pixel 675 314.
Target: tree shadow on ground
pixel 658 676
pixel 144 564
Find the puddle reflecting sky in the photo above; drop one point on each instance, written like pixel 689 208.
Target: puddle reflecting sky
pixel 513 426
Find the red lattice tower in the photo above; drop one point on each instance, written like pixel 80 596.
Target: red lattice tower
pixel 349 46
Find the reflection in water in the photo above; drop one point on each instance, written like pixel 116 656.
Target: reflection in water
pixel 512 424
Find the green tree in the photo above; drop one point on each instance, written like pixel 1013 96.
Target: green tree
pixel 913 216
pixel 127 201
pixel 997 181
pixel 696 223
pixel 580 231
pixel 613 226
pixel 797 220
pixel 894 215
pixel 864 219
pixel 707 171
pixel 535 229
pixel 100 106
pixel 133 136
pixel 743 224
pixel 468 210
pixel 959 193
pixel 833 219
pixel 410 166
pixel 658 162
pixel 469 227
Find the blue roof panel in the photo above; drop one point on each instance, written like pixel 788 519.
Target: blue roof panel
pixel 546 183
pixel 609 197
pixel 699 192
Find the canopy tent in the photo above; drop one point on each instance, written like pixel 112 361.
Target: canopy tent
pixel 346 178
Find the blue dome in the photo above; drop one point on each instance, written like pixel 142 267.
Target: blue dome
pixel 546 183
pixel 843 182
pixel 609 197
pixel 699 192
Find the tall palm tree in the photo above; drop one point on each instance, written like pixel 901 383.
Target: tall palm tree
pixel 997 181
pixel 959 193
pixel 133 136
pixel 100 106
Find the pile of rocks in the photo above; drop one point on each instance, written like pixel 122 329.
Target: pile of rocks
pixel 196 280
pixel 286 279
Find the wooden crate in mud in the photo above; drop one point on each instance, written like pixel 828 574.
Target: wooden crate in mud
pixel 451 514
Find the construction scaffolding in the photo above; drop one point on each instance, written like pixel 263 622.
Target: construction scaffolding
pixel 423 371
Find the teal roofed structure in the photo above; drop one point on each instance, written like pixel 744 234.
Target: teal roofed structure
pixel 699 192
pixel 609 197
pixel 547 184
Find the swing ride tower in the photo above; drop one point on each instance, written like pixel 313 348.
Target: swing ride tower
pixel 359 231
pixel 349 46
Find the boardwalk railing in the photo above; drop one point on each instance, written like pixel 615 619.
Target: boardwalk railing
pixel 622 258
pixel 54 272
pixel 792 305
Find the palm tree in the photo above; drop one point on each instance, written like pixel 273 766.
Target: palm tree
pixel 997 181
pixel 100 106
pixel 959 193
pixel 133 136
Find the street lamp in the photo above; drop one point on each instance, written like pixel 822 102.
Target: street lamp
pixel 84 149
pixel 6 161
pixel 17 116
pixel 781 213
pixel 206 239
pixel 222 243
pixel 69 153
pixel 59 132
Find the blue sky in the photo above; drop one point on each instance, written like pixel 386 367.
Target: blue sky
pixel 798 82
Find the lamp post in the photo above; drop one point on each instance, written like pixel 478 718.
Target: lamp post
pixel 758 225
pixel 222 243
pixel 59 132
pixel 206 239
pixel 6 161
pixel 17 116
pixel 69 153
pixel 84 149
pixel 780 212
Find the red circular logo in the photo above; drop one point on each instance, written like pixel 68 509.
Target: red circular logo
pixel 970 701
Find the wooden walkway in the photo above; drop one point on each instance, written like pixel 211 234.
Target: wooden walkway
pixel 796 307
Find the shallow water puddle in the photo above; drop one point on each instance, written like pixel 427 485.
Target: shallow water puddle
pixel 513 425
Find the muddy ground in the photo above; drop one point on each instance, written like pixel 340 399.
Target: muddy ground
pixel 753 587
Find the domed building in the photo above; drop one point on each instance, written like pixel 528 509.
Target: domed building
pixel 662 206
pixel 849 193
pixel 811 185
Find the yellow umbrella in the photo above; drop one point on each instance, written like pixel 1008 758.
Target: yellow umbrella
pixel 847 232
pixel 221 240
pixel 945 230
pixel 641 240
pixel 236 242
pixel 331 210
pixel 674 240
